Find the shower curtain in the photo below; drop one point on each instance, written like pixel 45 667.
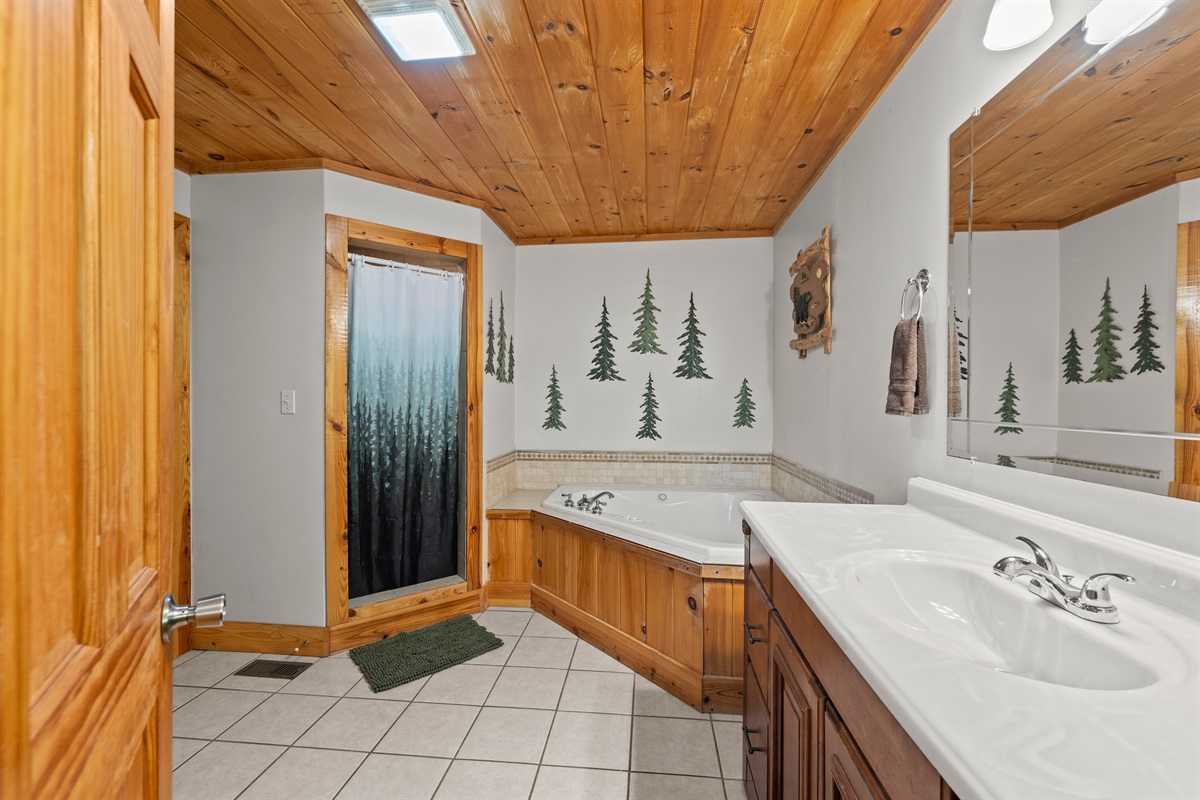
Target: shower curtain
pixel 405 354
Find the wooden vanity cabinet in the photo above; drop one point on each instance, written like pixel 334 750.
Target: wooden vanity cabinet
pixel 828 735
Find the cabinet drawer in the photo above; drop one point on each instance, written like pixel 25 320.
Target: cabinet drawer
pixel 757 558
pixel 755 739
pixel 847 774
pixel 758 609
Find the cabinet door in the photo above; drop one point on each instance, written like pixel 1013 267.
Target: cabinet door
pixel 756 738
pixel 755 628
pixel 797 707
pixel 847 774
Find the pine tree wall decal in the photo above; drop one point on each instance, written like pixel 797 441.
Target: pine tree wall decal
pixel 645 337
pixel 490 366
pixel 743 414
pixel 604 367
pixel 1144 345
pixel 1072 368
pixel 554 408
pixel 1108 358
pixel 1008 404
pixel 512 360
pixel 650 417
pixel 691 363
pixel 962 346
pixel 502 355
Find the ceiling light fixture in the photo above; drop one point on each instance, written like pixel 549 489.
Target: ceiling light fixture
pixel 419 29
pixel 1014 23
pixel 1116 19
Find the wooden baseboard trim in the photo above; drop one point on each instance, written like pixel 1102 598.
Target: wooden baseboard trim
pixel 678 679
pixel 263 637
pixel 365 630
pixel 722 694
pixel 514 595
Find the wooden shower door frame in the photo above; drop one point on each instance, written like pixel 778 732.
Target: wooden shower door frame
pixel 349 627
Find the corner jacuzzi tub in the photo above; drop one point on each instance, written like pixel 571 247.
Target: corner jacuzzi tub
pixel 701 525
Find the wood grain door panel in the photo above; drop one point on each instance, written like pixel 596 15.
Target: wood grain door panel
pixel 797 706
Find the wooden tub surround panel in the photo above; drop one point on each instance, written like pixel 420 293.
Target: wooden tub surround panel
pixel 674 621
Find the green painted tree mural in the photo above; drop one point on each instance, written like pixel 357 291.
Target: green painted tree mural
pixel 604 365
pixel 691 361
pixel 650 417
pixel 1008 404
pixel 489 366
pixel 743 414
pixel 1144 345
pixel 554 407
pixel 1072 367
pixel 1107 366
pixel 502 355
pixel 512 360
pixel 962 346
pixel 1005 461
pixel 645 336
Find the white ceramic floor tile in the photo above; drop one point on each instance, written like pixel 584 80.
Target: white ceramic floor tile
pixel 674 787
pixel 729 748
pixel 329 676
pixel 211 713
pixel 593 658
pixel 534 651
pixel 183 694
pixel 651 700
pixel 186 657
pixel 466 684
pixel 527 687
pixel 429 729
pixel 210 667
pixel 383 777
pixel 603 692
pixel 735 790
pixel 589 740
pixel 311 774
pixel 675 746
pixel 573 783
pixel 183 749
pixel 481 780
pixel 541 626
pixel 504 623
pixel 508 734
pixel 726 717
pixel 499 656
pixel 405 691
pixel 353 724
pixel 253 684
pixel 222 770
pixel 281 719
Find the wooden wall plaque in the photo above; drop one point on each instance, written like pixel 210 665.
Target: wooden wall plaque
pixel 812 308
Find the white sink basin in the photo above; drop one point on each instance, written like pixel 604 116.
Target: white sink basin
pixel 961 609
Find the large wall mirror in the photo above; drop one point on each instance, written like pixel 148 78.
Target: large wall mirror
pixel 1075 261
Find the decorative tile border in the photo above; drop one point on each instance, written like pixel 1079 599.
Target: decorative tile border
pixel 1120 469
pixel 501 461
pixel 832 489
pixel 634 457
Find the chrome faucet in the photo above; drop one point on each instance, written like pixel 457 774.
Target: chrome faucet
pixel 568 503
pixel 597 503
pixel 1091 601
pixel 587 504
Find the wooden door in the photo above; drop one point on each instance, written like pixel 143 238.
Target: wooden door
pixel 1187 363
pixel 797 706
pixel 85 396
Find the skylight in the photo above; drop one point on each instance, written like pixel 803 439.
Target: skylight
pixel 419 29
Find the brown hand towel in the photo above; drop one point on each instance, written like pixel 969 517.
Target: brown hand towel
pixel 953 375
pixel 908 391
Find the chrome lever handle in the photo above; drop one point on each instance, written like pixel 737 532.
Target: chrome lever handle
pixel 1094 591
pixel 208 612
pixel 1041 556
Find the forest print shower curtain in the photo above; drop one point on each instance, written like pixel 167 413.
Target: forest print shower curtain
pixel 405 353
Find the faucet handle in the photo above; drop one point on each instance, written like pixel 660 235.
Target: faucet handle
pixel 568 503
pixel 1094 591
pixel 1041 556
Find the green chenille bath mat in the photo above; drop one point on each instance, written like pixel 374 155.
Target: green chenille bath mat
pixel 405 657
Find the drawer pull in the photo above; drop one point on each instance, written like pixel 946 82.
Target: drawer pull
pixel 751 749
pixel 752 637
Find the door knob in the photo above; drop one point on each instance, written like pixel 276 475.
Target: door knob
pixel 208 612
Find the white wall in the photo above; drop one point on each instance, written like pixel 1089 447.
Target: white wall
pixel 183 193
pixel 885 196
pixel 499 275
pixel 561 287
pixel 357 198
pixel 258 311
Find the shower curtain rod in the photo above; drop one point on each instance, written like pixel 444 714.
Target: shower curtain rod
pixel 383 262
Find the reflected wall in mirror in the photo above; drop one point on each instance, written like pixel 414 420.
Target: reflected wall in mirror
pixel 1075 265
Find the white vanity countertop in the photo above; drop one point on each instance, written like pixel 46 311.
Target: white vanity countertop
pixel 991 733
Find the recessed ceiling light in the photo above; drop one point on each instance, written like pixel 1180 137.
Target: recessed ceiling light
pixel 1113 20
pixel 419 29
pixel 1014 23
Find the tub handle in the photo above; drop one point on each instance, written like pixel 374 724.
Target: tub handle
pixel 752 637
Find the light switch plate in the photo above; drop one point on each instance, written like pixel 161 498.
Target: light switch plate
pixel 287 401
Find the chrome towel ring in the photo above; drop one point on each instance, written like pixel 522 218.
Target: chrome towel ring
pixel 921 283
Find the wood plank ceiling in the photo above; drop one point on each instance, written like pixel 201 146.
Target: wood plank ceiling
pixel 576 120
